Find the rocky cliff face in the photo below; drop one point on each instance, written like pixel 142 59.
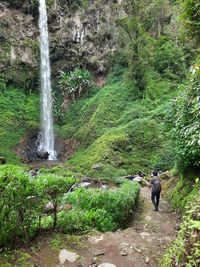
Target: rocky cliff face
pixel 82 33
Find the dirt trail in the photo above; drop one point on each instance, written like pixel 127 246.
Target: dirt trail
pixel 140 245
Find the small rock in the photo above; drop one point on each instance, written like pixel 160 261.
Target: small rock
pixel 84 184
pixel 148 218
pixel 67 255
pixel 94 260
pixel 124 252
pixel 96 239
pixel 97 252
pixel 177 226
pixel 147 260
pixel 106 265
pixel 43 155
pixel 97 167
pixel 138 250
pixel 137 179
pixel 84 262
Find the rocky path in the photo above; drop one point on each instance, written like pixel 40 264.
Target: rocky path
pixel 140 245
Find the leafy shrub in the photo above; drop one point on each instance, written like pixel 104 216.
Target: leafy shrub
pixel 169 59
pixel 103 210
pixel 51 187
pixel 78 220
pixel 191 17
pixel 184 192
pixel 186 121
pixel 19 212
pixel 185 250
pixel 74 84
pixel 22 201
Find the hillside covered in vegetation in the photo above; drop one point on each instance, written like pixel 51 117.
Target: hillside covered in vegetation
pixel 126 98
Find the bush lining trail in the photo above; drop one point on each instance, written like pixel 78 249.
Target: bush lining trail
pixel 141 244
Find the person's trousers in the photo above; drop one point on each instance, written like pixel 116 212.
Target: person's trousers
pixel 155 197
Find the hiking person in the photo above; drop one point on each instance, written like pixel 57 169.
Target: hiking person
pixel 155 185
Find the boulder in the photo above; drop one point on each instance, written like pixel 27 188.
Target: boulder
pixel 165 175
pixel 66 255
pixel 43 155
pixel 137 179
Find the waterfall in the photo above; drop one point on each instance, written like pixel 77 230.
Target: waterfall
pixel 46 139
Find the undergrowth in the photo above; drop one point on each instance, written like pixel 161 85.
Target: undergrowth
pixel 19 112
pixel 120 129
pixel 185 250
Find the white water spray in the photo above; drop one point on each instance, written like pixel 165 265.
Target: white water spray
pixel 46 142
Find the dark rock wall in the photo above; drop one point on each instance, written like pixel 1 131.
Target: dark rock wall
pixel 80 35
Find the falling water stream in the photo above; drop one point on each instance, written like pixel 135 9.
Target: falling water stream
pixel 46 138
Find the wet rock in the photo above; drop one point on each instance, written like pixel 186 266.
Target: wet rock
pixel 67 256
pixel 43 155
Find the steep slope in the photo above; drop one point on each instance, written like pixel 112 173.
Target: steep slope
pixel 19 112
pixel 120 132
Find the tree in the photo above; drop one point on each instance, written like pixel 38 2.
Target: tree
pixel 186 121
pixel 51 188
pixel 191 18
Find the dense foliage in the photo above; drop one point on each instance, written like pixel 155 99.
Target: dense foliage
pixel 19 112
pixel 104 210
pixel 185 250
pixel 191 17
pixel 24 204
pixel 22 201
pixel 187 118
pixel 18 213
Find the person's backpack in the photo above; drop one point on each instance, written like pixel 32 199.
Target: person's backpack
pixel 156 185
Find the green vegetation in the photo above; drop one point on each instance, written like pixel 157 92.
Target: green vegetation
pixel 23 202
pixel 191 18
pixel 185 250
pixel 186 123
pixel 145 116
pixel 19 213
pixel 119 131
pixel 51 188
pixel 185 191
pixel 19 112
pixel 74 84
pixel 104 210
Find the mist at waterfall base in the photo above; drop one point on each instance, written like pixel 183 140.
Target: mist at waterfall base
pixel 45 140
